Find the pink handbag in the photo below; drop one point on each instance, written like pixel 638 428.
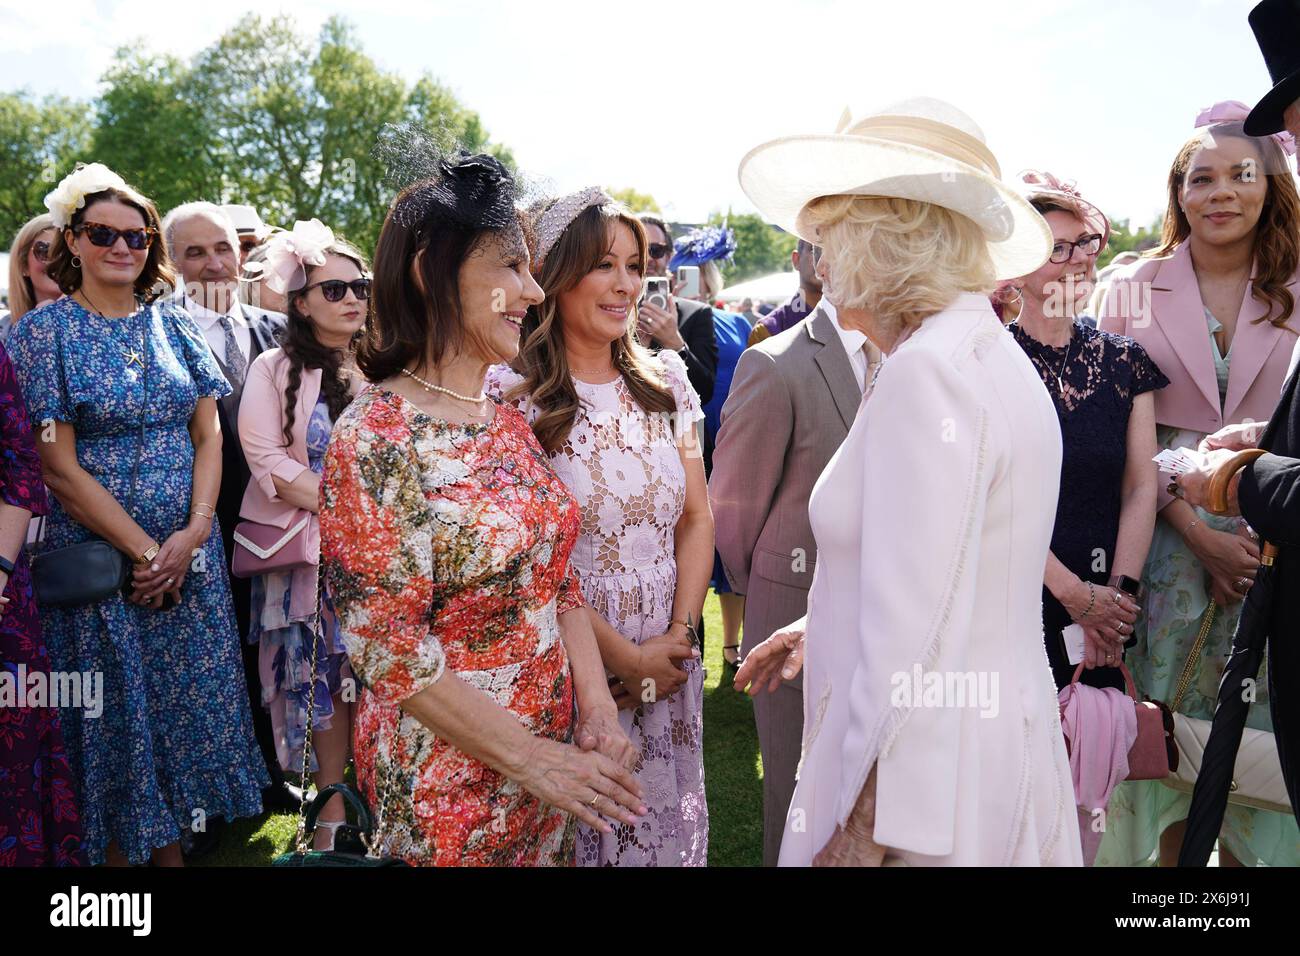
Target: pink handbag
pixel 1154 755
pixel 264 548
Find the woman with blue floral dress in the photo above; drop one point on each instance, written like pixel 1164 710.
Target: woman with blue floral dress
pixel 169 744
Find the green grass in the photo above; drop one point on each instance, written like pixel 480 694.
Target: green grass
pixel 732 776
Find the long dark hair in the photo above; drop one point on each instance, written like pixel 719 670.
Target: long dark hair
pixel 542 360
pixel 1277 234
pixel 432 227
pixel 305 351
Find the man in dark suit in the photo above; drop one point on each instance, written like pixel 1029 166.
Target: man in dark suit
pixel 205 248
pixel 686 327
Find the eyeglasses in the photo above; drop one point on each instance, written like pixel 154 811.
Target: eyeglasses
pixel 659 249
pixel 335 289
pixel 41 250
pixel 104 236
pixel 1063 251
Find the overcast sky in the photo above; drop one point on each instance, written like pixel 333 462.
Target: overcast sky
pixel 667 98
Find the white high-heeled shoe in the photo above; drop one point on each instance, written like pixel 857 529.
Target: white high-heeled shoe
pixel 333 827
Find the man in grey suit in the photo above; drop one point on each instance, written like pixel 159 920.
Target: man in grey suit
pixel 792 402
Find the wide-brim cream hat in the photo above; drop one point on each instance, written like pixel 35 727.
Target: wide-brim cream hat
pixel 922 149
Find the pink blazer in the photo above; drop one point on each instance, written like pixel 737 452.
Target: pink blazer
pixel 1157 302
pixel 261 432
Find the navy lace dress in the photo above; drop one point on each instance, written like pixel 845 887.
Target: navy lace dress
pixel 1100 374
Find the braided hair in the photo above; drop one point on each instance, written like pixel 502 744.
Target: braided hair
pixel 305 351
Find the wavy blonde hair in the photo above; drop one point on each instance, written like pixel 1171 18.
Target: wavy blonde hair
pixel 899 259
pixel 542 360
pixel 22 294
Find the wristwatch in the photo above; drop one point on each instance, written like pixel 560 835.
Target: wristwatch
pixel 6 565
pixel 149 555
pixel 1130 586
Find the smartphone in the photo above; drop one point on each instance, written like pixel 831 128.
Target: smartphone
pixel 689 279
pixel 656 290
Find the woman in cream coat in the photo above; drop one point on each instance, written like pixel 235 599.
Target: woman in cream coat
pixel 932 735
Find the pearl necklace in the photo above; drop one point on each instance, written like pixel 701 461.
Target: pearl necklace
pixel 478 399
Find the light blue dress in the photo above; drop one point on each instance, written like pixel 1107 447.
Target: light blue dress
pixel 173 746
pixel 1178 596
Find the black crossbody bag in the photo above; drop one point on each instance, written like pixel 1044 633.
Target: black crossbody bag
pixel 91 571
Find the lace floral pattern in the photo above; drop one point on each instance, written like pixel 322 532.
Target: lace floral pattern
pixel 623 466
pixel 1100 374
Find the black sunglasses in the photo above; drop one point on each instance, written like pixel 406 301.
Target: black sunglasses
pixel 659 249
pixel 41 250
pixel 335 289
pixel 104 236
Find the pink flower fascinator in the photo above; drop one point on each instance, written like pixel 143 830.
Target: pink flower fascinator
pixel 288 254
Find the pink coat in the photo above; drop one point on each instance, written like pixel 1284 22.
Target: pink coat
pixel 1157 302
pixel 261 432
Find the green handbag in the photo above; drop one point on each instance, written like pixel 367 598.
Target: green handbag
pixel 350 842
pixel 357 845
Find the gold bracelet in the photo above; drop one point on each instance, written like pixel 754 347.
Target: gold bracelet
pixel 196 511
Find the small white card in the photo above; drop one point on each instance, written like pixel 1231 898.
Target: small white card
pixel 1073 637
pixel 1178 461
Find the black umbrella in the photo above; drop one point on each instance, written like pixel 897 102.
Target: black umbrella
pixel 1210 796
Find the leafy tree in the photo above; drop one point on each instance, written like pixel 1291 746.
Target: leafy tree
pixel 269 117
pixel 635 201
pixel 152 129
pixel 40 141
pixel 761 249
pixel 1123 239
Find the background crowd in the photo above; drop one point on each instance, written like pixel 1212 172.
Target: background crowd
pixel 439 513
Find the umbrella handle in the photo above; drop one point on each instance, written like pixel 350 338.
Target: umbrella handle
pixel 1218 489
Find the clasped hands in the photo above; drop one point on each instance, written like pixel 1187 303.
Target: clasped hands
pixel 1106 615
pixel 655 664
pixel 165 574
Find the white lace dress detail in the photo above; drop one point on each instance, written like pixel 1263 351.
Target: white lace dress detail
pixel 623 466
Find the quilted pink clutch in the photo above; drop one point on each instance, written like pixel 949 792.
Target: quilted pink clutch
pixel 263 548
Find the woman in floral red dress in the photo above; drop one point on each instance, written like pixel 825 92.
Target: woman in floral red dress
pixel 486 725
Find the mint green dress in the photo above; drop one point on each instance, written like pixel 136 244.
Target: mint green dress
pixel 1178 595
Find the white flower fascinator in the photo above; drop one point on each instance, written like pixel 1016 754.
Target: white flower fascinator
pixel 288 254
pixel 70 195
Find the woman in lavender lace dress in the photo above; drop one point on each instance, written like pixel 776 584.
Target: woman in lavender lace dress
pixel 619 425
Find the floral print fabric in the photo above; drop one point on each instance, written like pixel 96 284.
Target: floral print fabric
pixel 40 823
pixel 623 466
pixel 446 547
pixel 287 643
pixel 174 744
